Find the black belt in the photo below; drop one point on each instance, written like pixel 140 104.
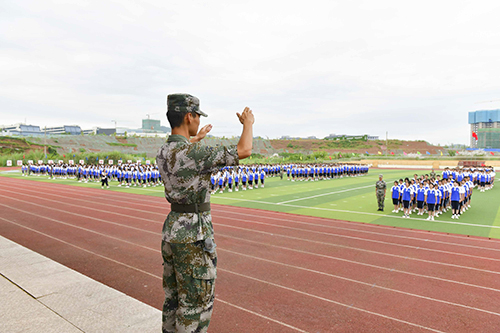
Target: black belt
pixel 190 208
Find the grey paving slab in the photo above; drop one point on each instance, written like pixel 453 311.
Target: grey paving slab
pixel 40 295
pixel 19 312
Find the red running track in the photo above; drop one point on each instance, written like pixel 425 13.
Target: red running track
pixel 277 272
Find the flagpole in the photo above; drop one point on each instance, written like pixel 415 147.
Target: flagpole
pixel 386 145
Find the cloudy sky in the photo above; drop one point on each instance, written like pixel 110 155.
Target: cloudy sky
pixel 413 69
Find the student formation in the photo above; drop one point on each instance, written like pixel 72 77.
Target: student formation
pixel 435 195
pixel 126 174
pixel 238 178
pixel 251 176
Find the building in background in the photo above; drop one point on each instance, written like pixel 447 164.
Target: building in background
pixel 485 129
pixel 22 130
pixel 66 129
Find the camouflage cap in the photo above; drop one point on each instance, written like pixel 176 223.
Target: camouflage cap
pixel 184 103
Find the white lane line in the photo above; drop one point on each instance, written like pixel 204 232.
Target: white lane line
pixel 321 195
pixel 219 234
pixel 273 218
pixel 362 283
pixel 329 300
pixel 362 213
pixel 58 202
pixel 358 249
pixel 231 272
pixel 78 247
pixel 296 267
pixel 251 230
pixel 262 316
pixel 144 272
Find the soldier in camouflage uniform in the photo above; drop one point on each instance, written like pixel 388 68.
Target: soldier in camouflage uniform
pixel 188 246
pixel 433 174
pixel 380 188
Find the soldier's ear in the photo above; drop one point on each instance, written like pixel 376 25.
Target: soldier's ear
pixel 188 118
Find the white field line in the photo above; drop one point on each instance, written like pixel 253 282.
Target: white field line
pixel 259 280
pixel 287 220
pixel 363 213
pixel 147 273
pixel 358 263
pixel 255 222
pixel 321 195
pixel 305 240
pixel 305 216
pixel 362 231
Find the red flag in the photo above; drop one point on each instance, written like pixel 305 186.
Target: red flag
pixel 330 157
pixel 474 135
pixel 64 155
pixel 392 153
pixel 492 153
pixel 24 156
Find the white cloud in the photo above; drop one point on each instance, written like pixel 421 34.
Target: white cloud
pixel 311 68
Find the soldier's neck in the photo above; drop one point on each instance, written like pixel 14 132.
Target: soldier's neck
pixel 181 130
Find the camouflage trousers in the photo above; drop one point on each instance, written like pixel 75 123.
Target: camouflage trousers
pixel 189 274
pixel 380 200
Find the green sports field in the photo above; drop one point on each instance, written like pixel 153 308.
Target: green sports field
pixel 351 199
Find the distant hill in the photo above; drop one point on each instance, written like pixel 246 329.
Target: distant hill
pixel 356 146
pixel 75 144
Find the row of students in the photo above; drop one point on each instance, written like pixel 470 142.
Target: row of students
pixel 235 178
pixel 483 177
pixel 126 175
pixel 315 172
pixel 432 195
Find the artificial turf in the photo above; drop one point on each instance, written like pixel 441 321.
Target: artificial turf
pixel 351 199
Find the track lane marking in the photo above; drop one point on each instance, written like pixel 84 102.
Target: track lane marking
pixel 295 267
pixel 307 230
pixel 358 249
pixel 372 285
pixel 238 274
pixel 330 301
pixel 306 240
pixel 155 233
pixel 219 234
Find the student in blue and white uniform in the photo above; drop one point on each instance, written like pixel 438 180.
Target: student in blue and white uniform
pixel 456 197
pixel 421 194
pixel 262 177
pixel 407 196
pixel 431 200
pixel 250 179
pixel 396 196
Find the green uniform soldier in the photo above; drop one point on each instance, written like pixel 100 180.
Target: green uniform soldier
pixel 380 188
pixel 188 245
pixel 433 174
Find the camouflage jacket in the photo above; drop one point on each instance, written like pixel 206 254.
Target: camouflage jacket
pixel 380 186
pixel 185 170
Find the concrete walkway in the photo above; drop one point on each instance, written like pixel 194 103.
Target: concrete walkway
pixel 41 295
